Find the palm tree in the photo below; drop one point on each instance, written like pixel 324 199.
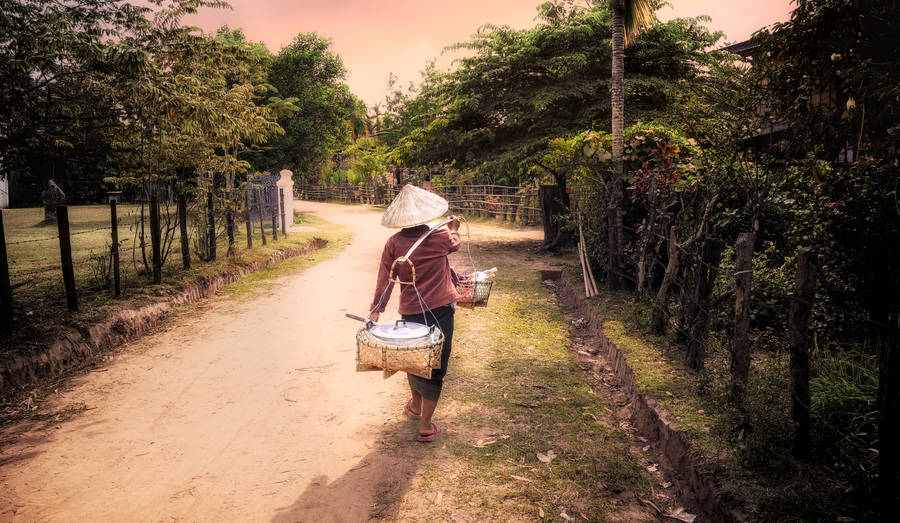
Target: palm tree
pixel 628 18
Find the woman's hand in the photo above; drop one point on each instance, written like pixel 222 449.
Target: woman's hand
pixel 454 223
pixel 374 316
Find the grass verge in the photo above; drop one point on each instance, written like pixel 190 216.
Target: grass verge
pixel 513 395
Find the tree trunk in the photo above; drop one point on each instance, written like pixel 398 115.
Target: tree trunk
pixel 615 279
pixel 554 203
pixel 155 234
pixel 646 243
pixel 706 278
pixel 661 306
pixel 740 344
pixel 617 102
pixel 801 306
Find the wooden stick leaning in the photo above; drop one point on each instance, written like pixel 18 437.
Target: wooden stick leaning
pixel 587 285
pixel 587 261
pixel 584 276
pixel 590 283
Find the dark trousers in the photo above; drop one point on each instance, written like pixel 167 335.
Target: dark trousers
pixel 431 389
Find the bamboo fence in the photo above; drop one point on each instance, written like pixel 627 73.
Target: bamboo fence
pixel 513 204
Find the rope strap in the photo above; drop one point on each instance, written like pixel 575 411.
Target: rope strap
pixel 394 277
pixel 405 258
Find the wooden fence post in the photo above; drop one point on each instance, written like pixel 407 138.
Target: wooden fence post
pixel 65 253
pixel 888 419
pixel 211 223
pixel 740 344
pixel 706 278
pixel 801 306
pixel 155 234
pixel 273 207
pixel 281 202
pixel 259 212
pixel 248 217
pixel 6 320
pixel 182 227
pixel 229 220
pixel 114 228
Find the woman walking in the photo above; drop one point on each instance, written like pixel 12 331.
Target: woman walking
pixel 436 300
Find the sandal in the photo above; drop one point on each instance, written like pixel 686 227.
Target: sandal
pixel 435 430
pixel 407 409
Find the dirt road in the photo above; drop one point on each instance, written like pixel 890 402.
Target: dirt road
pixel 228 415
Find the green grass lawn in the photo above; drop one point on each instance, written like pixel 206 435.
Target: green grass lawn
pixel 39 300
pixel 33 247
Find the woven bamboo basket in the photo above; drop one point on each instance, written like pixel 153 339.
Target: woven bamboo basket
pixel 374 354
pixel 474 293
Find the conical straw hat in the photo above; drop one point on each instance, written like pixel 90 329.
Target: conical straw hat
pixel 413 206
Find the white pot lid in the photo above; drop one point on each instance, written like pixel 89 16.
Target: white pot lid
pixel 401 331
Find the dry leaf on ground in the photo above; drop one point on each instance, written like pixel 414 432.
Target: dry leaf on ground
pixel 546 458
pixel 485 442
pixel 681 515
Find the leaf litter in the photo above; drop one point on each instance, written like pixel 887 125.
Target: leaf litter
pixel 546 458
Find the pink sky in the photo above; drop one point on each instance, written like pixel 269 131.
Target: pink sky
pixel 377 37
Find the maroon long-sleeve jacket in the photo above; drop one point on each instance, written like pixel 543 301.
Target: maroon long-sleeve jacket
pixel 433 277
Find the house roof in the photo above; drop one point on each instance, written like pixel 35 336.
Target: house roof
pixel 744 48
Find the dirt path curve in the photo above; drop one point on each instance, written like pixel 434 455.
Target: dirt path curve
pixel 228 415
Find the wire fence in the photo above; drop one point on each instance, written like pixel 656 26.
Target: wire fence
pixel 36 261
pixel 513 204
pixel 683 309
pixel 39 249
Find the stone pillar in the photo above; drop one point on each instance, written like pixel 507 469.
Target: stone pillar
pixel 286 182
pixel 52 196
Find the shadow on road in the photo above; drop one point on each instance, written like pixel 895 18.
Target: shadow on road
pixel 372 489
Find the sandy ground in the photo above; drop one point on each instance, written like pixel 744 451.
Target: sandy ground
pixel 240 411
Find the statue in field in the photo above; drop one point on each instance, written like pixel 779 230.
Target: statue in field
pixel 52 196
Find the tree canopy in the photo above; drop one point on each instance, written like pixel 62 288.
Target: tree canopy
pixel 519 89
pixel 59 65
pixel 310 74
